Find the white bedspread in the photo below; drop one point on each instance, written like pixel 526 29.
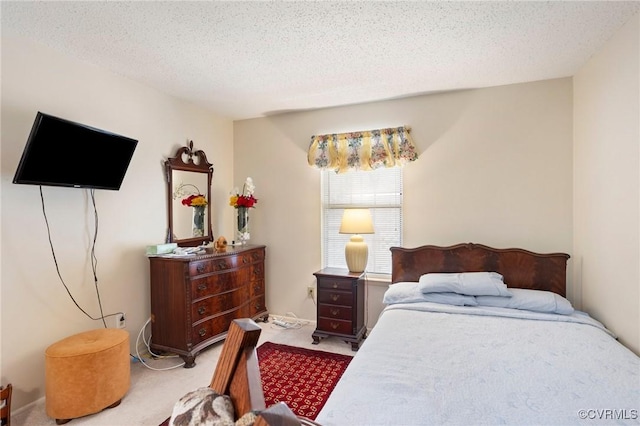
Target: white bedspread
pixel 432 364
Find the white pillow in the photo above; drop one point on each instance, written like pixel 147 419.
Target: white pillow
pixel 450 299
pixel 409 292
pixel 469 283
pixel 530 300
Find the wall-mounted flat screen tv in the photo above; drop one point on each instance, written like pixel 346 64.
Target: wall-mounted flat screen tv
pixel 60 152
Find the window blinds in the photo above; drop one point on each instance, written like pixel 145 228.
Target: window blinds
pixel 381 192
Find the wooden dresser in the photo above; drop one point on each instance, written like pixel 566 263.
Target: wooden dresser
pixel 194 299
pixel 340 306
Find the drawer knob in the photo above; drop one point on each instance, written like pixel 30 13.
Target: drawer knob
pixel 222 265
pixel 202 332
pixel 335 312
pixel 335 297
pixel 245 260
pixel 334 325
pixel 200 267
pixel 335 285
pixel 202 287
pixel 201 310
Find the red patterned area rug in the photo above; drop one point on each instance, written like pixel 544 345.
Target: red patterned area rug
pixel 302 378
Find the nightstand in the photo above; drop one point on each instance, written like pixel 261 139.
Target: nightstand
pixel 340 306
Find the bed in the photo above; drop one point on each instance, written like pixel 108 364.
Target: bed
pixel 528 358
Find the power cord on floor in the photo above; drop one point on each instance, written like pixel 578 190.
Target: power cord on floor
pixel 147 344
pixel 288 322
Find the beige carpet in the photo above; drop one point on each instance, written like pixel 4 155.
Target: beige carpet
pixel 153 392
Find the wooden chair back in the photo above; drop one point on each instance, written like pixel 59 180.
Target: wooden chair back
pixel 237 374
pixel 5 404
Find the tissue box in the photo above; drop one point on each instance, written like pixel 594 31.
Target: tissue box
pixel 161 248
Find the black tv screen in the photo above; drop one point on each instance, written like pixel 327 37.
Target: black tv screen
pixel 60 152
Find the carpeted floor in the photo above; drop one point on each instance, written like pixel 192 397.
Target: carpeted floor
pixel 154 389
pixel 299 377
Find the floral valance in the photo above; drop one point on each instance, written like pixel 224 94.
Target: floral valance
pixel 365 150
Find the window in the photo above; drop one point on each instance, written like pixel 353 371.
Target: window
pixel 379 190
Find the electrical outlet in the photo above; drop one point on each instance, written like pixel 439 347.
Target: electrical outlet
pixel 310 290
pixel 121 321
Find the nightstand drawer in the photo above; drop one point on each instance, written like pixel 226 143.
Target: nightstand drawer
pixel 333 297
pixel 335 284
pixel 335 326
pixel 334 311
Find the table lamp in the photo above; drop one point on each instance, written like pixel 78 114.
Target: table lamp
pixel 356 222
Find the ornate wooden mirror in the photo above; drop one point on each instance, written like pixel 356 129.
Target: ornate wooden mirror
pixel 189 197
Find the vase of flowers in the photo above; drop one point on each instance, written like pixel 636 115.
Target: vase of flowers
pixel 198 202
pixel 243 234
pixel 242 202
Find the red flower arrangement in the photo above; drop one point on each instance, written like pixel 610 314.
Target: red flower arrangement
pixel 195 200
pixel 246 199
pixel 243 201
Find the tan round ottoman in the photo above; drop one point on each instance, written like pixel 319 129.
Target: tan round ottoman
pixel 86 373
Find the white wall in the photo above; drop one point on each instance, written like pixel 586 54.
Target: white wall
pixel 607 184
pixel 35 308
pixel 495 168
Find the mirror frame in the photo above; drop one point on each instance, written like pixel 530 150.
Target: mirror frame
pixel 196 161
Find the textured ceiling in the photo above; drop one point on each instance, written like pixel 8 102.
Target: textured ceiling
pixel 249 59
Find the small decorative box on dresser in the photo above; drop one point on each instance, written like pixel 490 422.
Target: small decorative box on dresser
pixel 195 298
pixel 340 306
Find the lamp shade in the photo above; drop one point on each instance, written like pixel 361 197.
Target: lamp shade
pixel 356 221
pixel 356 252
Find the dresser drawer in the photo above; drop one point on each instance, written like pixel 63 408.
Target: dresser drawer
pixel 218 283
pixel 256 306
pixel 335 312
pixel 211 265
pixel 256 256
pixel 213 327
pixel 257 271
pixel 208 266
pixel 333 297
pixel 335 325
pixel 256 288
pixel 218 303
pixel 335 284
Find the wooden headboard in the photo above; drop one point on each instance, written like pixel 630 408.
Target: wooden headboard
pixel 520 268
